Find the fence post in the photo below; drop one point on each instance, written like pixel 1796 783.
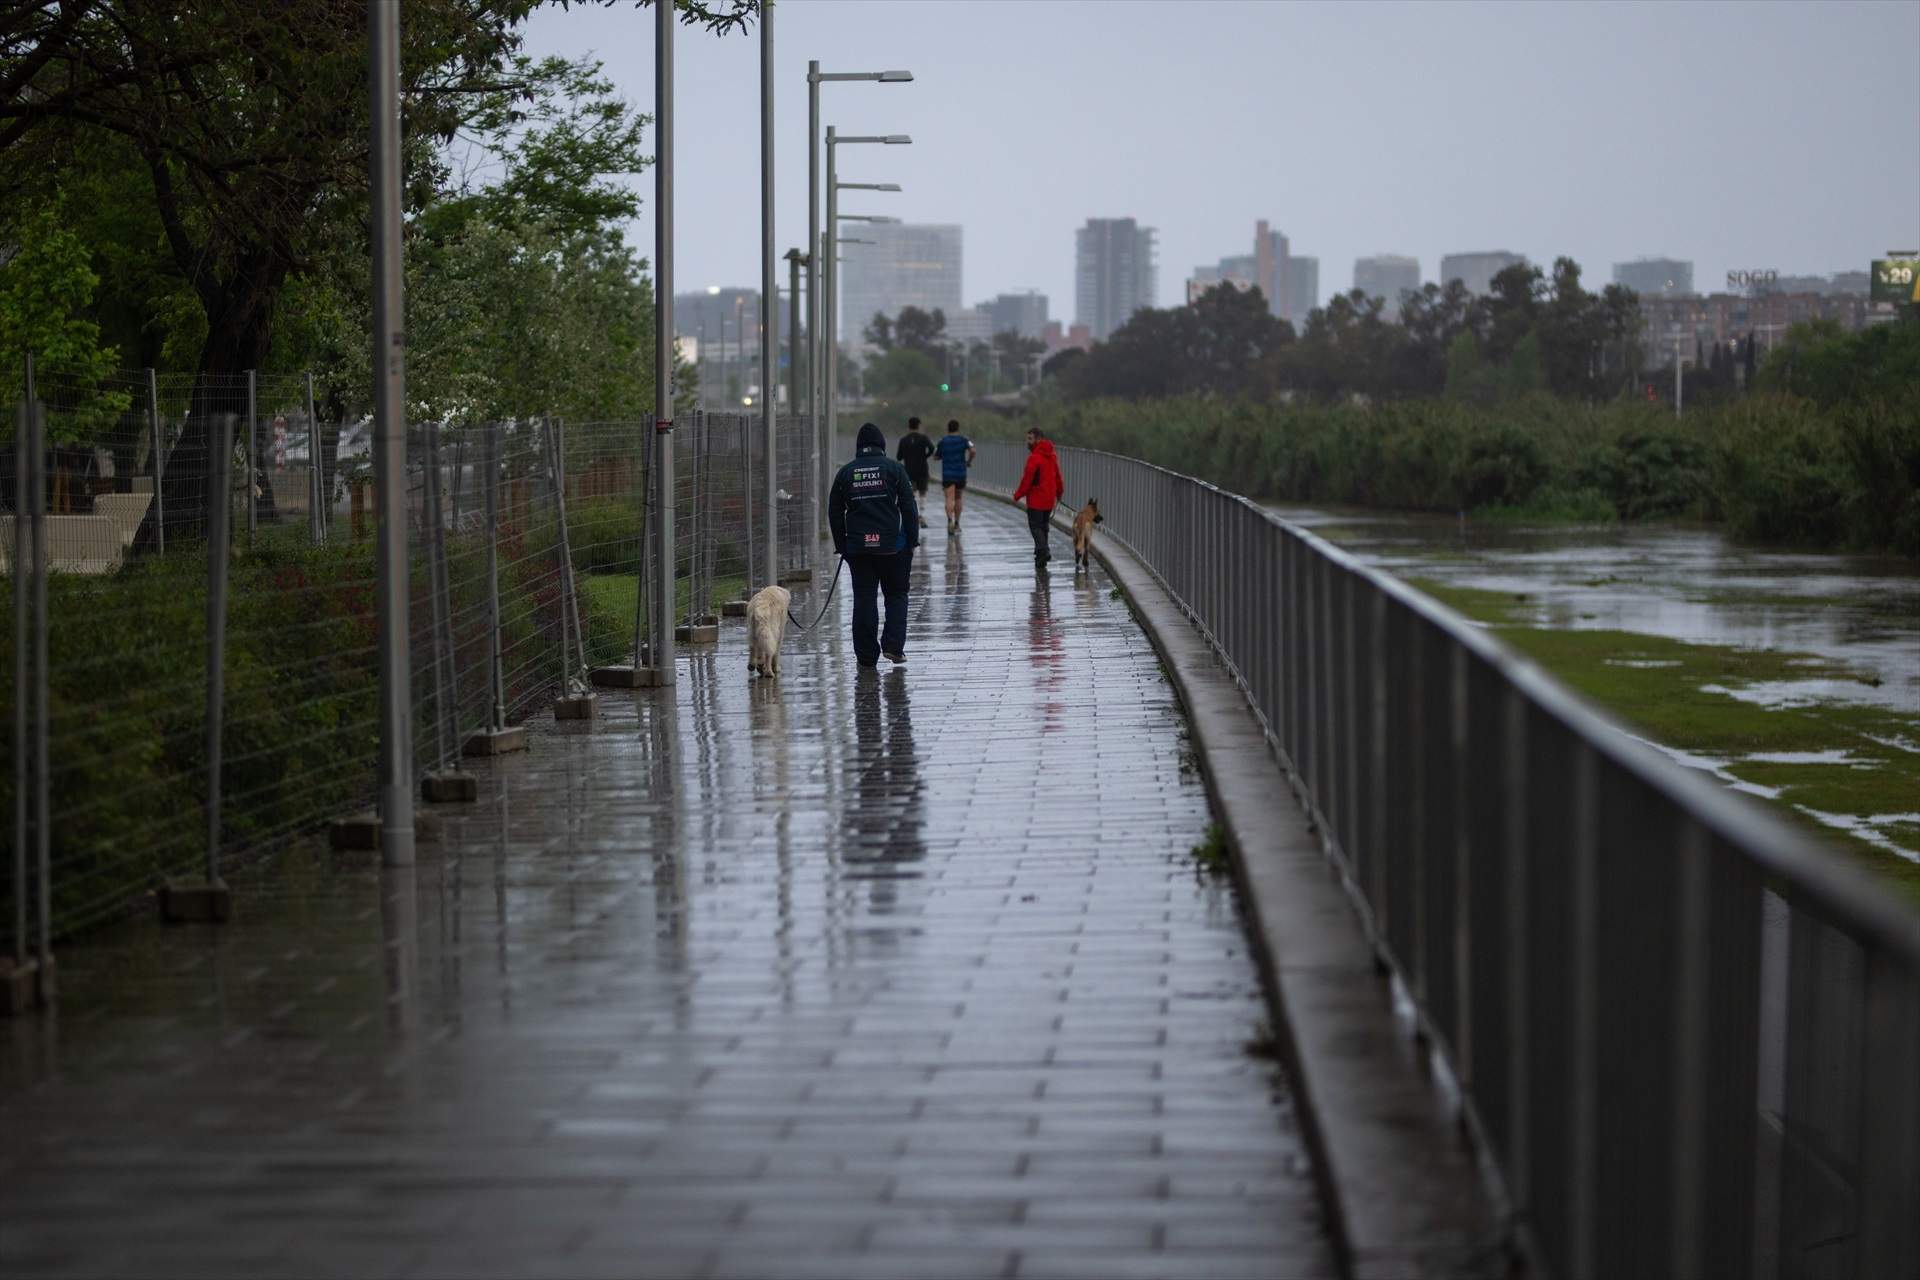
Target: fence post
pixel 746 513
pixel 459 466
pixel 208 900
pixel 253 462
pixel 699 627
pixel 159 465
pixel 18 997
pixel 28 980
pixel 443 782
pixel 42 781
pixel 497 738
pixel 574 703
pixel 316 519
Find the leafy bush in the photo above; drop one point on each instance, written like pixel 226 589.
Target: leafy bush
pixel 1775 467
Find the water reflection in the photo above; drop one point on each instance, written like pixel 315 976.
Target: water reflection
pixel 1684 584
pixel 885 821
pixel 400 951
pixel 1048 655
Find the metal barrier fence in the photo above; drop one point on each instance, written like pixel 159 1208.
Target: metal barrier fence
pixel 217 698
pixel 1688 1039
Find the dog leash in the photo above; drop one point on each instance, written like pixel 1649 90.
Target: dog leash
pixel 831 588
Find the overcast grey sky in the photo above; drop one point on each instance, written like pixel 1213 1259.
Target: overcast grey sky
pixel 1755 135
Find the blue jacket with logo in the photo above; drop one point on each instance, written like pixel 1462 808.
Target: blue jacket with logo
pixel 871 508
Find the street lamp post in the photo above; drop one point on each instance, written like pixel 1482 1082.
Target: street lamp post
pixel 769 311
pixel 663 600
pixel 832 296
pixel 390 440
pixel 816 78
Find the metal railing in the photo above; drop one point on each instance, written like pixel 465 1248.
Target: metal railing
pixel 1687 1038
pixel 209 701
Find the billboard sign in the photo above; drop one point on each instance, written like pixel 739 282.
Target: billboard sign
pixel 1895 280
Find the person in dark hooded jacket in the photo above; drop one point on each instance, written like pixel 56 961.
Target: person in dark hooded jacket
pixel 1041 484
pixel 876 526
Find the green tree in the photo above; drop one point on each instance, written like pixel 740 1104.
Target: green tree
pixel 902 372
pixel 249 124
pixel 46 288
pixel 922 331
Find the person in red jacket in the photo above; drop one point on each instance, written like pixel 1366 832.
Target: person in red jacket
pixel 1041 485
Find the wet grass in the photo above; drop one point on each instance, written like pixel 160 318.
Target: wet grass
pixel 614 594
pixel 1210 855
pixel 1660 688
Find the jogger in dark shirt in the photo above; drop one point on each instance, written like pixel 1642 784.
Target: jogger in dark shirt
pixel 915 449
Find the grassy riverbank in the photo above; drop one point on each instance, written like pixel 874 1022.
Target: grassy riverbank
pixel 1847 771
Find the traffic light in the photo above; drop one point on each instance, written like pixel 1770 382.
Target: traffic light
pixel 944 388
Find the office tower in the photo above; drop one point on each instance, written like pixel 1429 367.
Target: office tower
pixel 1655 277
pixel 1301 289
pixel 907 265
pixel 1271 268
pixel 1387 275
pixel 1477 270
pixel 1022 313
pixel 1114 273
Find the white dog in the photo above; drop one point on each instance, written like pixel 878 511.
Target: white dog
pixel 766 626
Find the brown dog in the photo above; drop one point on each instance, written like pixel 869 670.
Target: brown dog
pixel 1083 523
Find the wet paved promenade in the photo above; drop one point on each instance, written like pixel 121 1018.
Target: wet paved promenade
pixel 906 974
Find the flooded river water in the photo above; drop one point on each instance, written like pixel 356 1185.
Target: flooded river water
pixel 1855 618
pixel 1684 584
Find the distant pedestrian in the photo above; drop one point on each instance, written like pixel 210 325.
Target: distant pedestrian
pixel 1041 484
pixel 915 449
pixel 956 455
pixel 875 526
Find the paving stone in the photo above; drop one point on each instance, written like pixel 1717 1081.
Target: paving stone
pixel 843 974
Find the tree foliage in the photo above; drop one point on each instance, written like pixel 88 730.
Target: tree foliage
pixel 46 288
pixel 1529 333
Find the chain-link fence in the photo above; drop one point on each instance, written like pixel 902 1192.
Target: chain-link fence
pixel 211 697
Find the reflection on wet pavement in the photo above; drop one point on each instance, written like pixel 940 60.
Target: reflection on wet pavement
pixel 842 974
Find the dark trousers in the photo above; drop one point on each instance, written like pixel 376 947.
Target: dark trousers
pixel 1037 526
pixel 879 574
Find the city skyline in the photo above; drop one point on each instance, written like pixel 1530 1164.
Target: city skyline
pixel 1792 181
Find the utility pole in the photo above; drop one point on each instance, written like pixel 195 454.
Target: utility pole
pixel 769 303
pixel 817 457
pixel 663 495
pixel 390 439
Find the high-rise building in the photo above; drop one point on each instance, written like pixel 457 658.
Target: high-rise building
pixel 1021 313
pixel 1300 292
pixel 1269 268
pixel 1241 271
pixel 1114 273
pixel 1477 270
pixel 1655 277
pixel 1387 275
pixel 907 265
pixel 970 325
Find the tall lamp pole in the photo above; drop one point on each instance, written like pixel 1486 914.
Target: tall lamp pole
pixel 816 347
pixel 769 310
pixel 663 494
pixel 390 438
pixel 832 299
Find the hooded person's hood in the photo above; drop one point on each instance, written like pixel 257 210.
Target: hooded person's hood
pixel 869 438
pixel 1043 447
